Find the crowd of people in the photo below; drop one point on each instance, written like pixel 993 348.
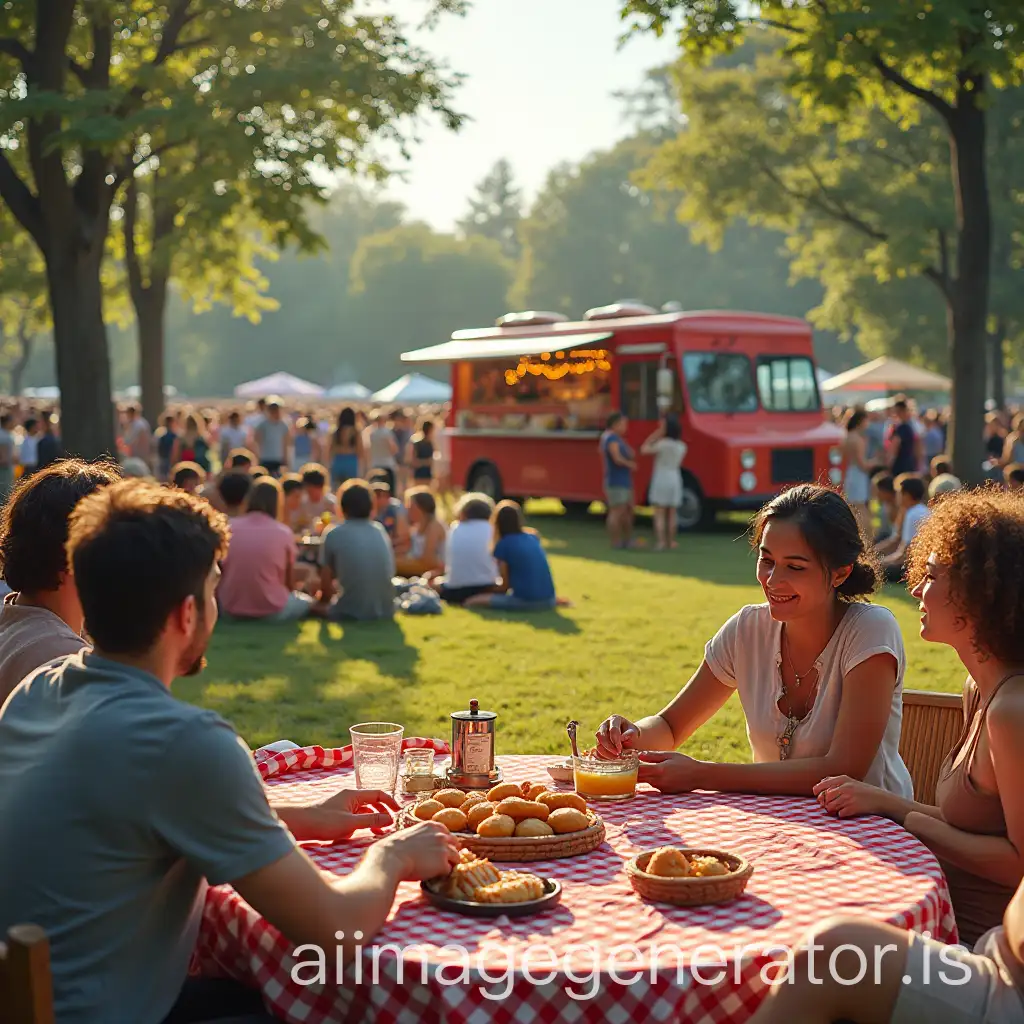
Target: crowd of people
pixel 897 460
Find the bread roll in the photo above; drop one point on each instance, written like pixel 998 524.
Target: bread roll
pixel 519 809
pixel 568 819
pixel 450 797
pixel 478 812
pixel 503 790
pixel 471 799
pixel 497 826
pixel 534 827
pixel 558 800
pixel 668 862
pixel 532 790
pixel 426 809
pixel 452 818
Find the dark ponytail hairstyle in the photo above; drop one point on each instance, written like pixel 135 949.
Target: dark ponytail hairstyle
pixel 831 531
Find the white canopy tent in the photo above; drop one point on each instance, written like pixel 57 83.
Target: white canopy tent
pixel 414 388
pixel 283 384
pixel 353 390
pixel 887 374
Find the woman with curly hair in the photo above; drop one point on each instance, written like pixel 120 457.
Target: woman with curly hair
pixel 966 568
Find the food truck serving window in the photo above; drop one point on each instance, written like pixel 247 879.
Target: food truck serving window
pixel 719 382
pixel 786 384
pixel 566 389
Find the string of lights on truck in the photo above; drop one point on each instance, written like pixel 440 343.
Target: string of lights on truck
pixel 558 366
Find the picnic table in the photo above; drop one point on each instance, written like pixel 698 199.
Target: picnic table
pixel 603 953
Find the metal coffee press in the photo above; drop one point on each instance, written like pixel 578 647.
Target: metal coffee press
pixel 473 749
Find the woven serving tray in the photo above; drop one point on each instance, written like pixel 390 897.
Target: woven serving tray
pixel 524 848
pixel 691 892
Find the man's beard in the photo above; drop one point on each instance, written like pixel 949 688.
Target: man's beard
pixel 194 658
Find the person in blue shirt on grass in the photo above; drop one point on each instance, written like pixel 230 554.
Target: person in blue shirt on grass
pixel 526 583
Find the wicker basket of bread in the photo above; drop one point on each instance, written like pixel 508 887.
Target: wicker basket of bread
pixel 688 877
pixel 512 822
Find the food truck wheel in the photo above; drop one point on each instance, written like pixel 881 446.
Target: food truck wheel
pixel 485 478
pixel 693 512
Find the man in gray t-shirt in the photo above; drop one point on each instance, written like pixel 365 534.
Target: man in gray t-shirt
pixel 357 554
pixel 120 804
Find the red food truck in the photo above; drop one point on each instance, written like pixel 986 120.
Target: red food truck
pixel 530 398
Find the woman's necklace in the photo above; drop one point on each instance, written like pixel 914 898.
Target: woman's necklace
pixel 786 739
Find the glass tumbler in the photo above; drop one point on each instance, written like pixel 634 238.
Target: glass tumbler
pixel 376 752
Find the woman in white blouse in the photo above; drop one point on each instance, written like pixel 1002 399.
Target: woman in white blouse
pixel 819 671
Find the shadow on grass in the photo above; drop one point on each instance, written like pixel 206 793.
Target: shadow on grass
pixel 553 621
pixel 382 642
pixel 720 554
pixel 307 682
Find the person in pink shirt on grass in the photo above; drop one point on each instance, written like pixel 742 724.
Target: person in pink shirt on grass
pixel 258 575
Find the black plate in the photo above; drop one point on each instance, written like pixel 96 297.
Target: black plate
pixel 552 894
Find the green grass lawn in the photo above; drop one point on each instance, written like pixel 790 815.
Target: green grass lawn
pixel 637 630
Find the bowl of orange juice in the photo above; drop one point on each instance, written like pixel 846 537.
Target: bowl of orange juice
pixel 598 779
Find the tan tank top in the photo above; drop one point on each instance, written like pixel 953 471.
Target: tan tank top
pixel 979 903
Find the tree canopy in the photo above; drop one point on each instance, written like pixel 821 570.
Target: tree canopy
pixel 96 93
pixel 905 61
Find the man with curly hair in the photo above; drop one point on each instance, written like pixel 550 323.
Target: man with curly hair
pixel 42 619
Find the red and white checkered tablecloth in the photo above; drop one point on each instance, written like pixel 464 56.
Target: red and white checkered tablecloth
pixel 603 954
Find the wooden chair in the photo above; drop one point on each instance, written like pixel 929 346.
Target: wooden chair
pixel 26 988
pixel 932 723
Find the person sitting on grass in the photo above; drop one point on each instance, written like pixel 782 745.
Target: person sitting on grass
pixel 940 466
pixel 391 514
pixel 1013 476
pixel 258 576
pixel 469 567
pixel 233 488
pixel 427 535
pixel 188 477
pixel 316 500
pixel 41 619
pixel 356 557
pixel 819 671
pixel 888 506
pixel 913 499
pixel 150 799
pixel 291 489
pixel 946 483
pixel 526 583
pixel 966 569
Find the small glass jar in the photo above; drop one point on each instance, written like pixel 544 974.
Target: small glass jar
pixel 418 771
pixel 419 761
pixel 598 779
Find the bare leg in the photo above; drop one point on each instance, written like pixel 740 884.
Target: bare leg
pixel 612 523
pixel 659 528
pixel 626 524
pixel 477 601
pixel 670 527
pixel 815 996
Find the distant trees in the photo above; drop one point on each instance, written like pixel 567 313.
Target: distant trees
pixel 97 95
pixel 496 209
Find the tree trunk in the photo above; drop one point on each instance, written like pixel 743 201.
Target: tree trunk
pixel 998 352
pixel 968 308
pixel 149 319
pixel 26 342
pixel 80 339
